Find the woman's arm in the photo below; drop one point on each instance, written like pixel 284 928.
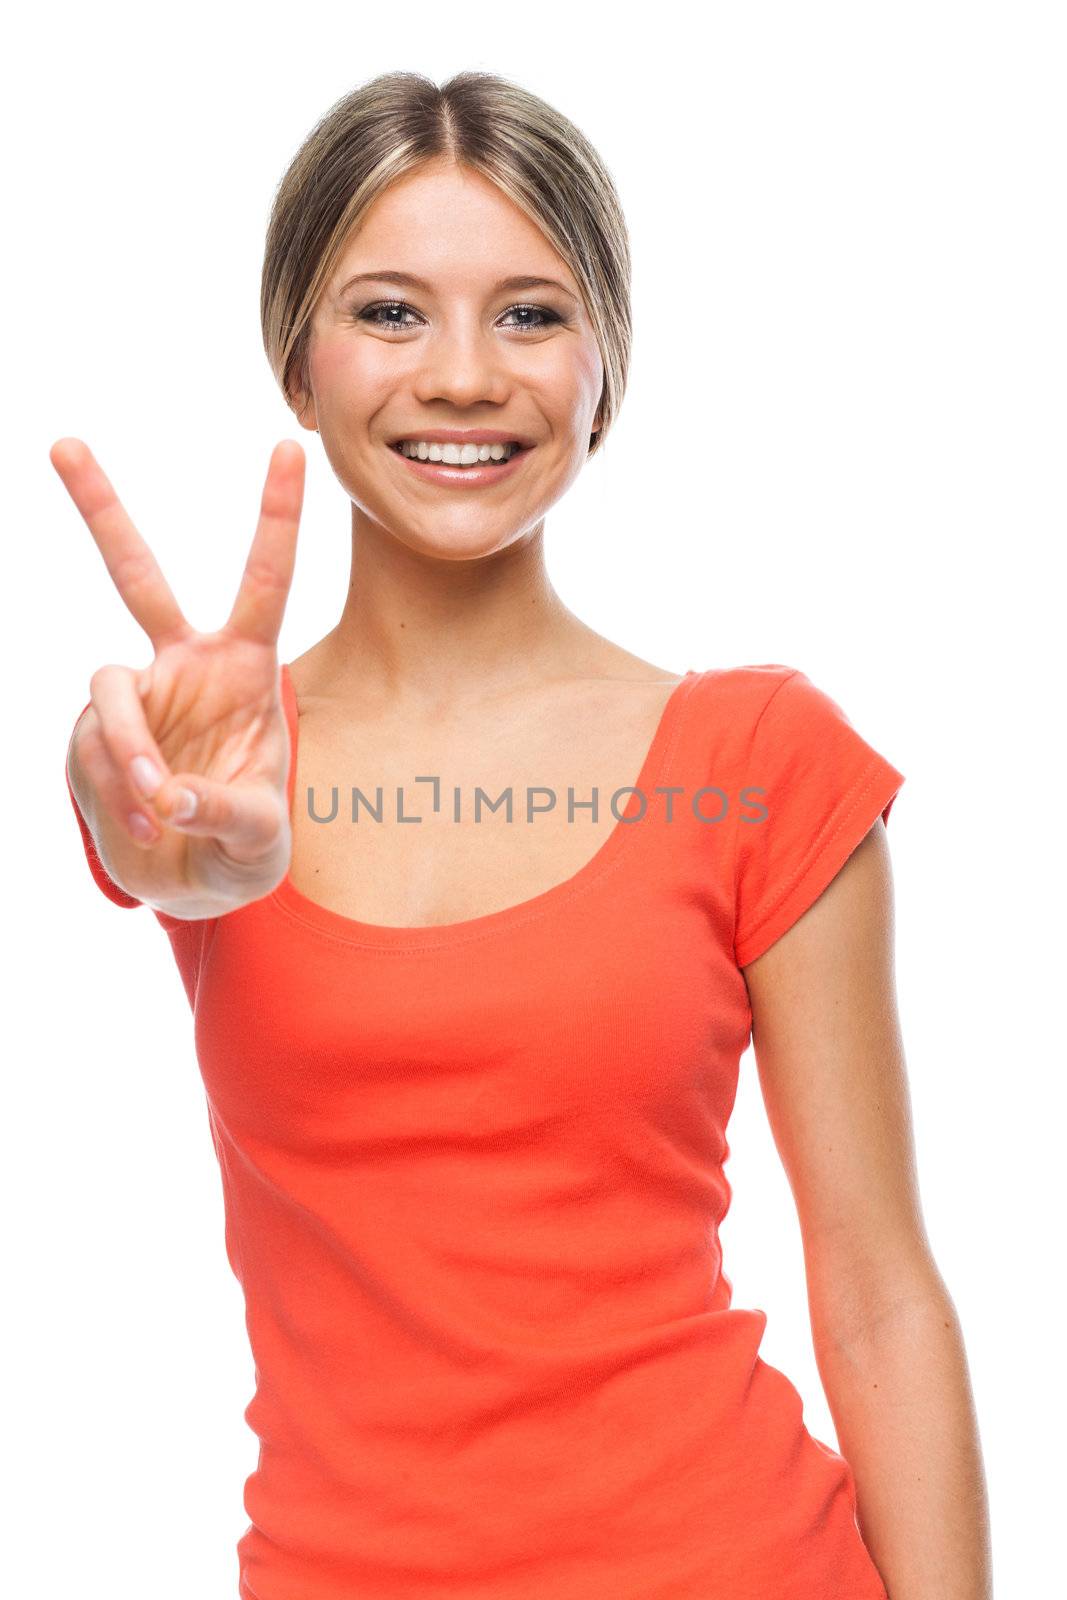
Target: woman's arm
pixel 887 1340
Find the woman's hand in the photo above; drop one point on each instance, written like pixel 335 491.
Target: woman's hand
pixel 206 715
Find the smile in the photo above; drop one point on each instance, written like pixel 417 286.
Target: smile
pixel 469 465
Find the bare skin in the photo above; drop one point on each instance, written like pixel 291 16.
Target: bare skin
pixel 205 714
pixel 589 733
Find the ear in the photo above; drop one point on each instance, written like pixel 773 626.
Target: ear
pixel 303 408
pixel 301 397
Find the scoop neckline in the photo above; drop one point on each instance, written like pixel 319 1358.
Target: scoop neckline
pixel 385 936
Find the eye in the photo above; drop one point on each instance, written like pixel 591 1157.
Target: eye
pixel 538 311
pixel 372 313
pixel 383 314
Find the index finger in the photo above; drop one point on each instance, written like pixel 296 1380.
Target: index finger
pixel 132 565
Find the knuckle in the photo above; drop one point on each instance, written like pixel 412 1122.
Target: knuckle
pixel 103 676
pixel 261 575
pixel 133 569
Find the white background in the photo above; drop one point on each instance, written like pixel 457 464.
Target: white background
pixel 842 448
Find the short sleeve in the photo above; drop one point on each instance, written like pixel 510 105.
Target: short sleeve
pixel 104 880
pixel 811 789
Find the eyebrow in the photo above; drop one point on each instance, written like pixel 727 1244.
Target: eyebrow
pixel 407 280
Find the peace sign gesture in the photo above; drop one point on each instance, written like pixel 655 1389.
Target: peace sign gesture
pixel 206 715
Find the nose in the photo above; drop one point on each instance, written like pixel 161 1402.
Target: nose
pixel 462 365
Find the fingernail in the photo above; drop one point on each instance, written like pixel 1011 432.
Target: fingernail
pixel 146 775
pixel 140 826
pixel 185 807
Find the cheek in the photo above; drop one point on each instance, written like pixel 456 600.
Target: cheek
pixel 578 381
pixel 347 374
pixel 592 367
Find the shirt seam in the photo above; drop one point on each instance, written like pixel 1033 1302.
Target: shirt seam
pixel 736 869
pixel 566 894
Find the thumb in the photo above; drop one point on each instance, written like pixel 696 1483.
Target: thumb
pixel 245 817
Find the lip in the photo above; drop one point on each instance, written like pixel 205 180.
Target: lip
pixel 480 477
pixel 464 436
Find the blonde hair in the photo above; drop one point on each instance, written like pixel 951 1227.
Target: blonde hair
pixel 396 123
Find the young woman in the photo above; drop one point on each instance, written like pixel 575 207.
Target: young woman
pixel 469 1081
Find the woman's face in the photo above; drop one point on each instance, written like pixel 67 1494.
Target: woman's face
pixel 390 357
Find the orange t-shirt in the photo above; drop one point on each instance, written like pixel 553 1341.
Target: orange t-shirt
pixel 473 1177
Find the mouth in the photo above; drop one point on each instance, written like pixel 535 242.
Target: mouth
pixel 471 464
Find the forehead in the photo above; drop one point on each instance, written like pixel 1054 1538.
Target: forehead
pixel 452 227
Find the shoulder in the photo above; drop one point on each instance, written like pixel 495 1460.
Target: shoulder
pixel 746 691
pixel 775 693
pixel 761 678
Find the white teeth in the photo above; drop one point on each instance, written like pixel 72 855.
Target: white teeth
pixel 456 455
